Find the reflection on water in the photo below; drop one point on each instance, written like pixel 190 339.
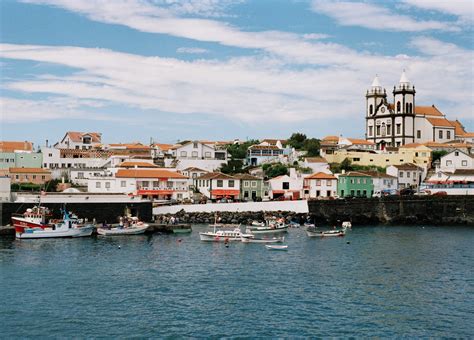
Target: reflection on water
pixel 383 282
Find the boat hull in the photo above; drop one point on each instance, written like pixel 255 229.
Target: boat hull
pixel 267 230
pixel 122 231
pixel 274 247
pixel 36 233
pixel 209 237
pixel 325 234
pixel 268 240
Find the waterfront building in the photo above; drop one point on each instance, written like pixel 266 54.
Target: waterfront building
pixel 192 173
pixel 15 154
pixel 29 175
pixel 158 184
pixel 457 182
pixel 355 184
pixel 287 186
pixel 206 155
pixel 319 185
pixel 79 140
pixel 317 164
pixel 403 122
pixel 408 175
pixel 216 186
pixel 382 181
pixel 456 160
pixel 332 144
pixel 252 188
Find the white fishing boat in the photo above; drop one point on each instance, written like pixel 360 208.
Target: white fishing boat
pixel 346 225
pixel 271 227
pixel 310 225
pixel 326 233
pixel 34 224
pixel 258 224
pixel 131 226
pixel 276 247
pixel 252 239
pixel 221 235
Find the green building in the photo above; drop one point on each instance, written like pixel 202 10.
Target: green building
pixel 21 160
pixel 355 184
pixel 252 188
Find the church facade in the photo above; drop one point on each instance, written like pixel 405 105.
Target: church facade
pixel 402 121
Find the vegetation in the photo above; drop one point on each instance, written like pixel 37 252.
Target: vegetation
pixel 436 155
pixel 233 166
pixel 300 142
pixel 275 170
pixel 237 153
pixel 347 165
pixel 15 187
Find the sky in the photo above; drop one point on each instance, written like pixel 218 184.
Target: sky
pixel 171 70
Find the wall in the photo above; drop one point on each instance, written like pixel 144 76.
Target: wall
pixel 295 206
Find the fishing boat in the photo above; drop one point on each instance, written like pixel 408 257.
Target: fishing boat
pixel 258 224
pixel 326 233
pixel 221 235
pixel 131 226
pixel 271 227
pixel 309 225
pixel 276 247
pixel 34 223
pixel 294 224
pixel 251 239
pixel 346 225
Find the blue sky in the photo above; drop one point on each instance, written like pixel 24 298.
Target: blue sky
pixel 220 70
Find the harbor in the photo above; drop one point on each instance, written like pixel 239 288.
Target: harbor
pixel 380 282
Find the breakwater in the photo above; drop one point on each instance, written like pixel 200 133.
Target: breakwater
pixel 434 210
pixel 101 212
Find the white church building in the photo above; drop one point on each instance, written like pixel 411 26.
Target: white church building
pixel 403 122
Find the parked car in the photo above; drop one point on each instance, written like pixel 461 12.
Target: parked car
pixel 407 192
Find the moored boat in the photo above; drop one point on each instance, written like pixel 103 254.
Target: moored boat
pixel 346 225
pixel 222 235
pixel 34 224
pixel 271 227
pixel 251 239
pixel 276 247
pixel 326 233
pixel 131 226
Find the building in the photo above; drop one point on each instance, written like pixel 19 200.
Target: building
pixel 382 182
pixel 216 186
pixel 79 140
pixel 287 186
pixel 192 173
pixel 252 188
pixel 403 122
pixel 456 160
pixel 319 185
pixel 459 182
pixel 5 188
pixel 408 175
pixel 19 155
pixel 317 164
pixel 29 175
pixel 157 184
pixel 208 156
pixel 355 184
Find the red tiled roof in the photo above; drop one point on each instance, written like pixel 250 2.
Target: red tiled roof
pixel 459 128
pixel 316 160
pixel 321 175
pixel 130 146
pixel 137 164
pixel 7 146
pixel 440 122
pixel 148 173
pixel 164 147
pixel 29 171
pixel 407 166
pixel 360 141
pixel 428 111
pixel 264 147
pixel 216 175
pixel 77 136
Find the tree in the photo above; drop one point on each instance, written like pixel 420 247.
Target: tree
pixel 312 146
pixel 435 155
pixel 297 140
pixel 239 151
pixel 346 164
pixel 233 166
pixel 276 170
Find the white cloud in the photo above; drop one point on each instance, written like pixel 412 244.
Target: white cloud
pixel 192 50
pixel 376 17
pixel 464 9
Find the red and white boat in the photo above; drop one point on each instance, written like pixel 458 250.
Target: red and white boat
pixel 34 223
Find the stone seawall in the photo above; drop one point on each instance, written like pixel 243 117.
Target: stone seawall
pixel 435 210
pixel 100 211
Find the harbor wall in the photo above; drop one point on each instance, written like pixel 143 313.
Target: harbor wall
pixel 100 211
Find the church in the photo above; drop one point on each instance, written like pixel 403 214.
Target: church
pixel 402 121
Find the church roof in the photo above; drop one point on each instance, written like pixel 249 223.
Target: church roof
pixel 459 127
pixel 376 82
pixel 404 78
pixel 440 122
pixel 428 111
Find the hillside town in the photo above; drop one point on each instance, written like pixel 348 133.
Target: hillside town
pixel 408 149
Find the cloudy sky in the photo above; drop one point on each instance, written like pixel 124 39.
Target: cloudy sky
pixel 210 69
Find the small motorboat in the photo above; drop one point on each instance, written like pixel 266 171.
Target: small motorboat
pixel 258 224
pixel 326 233
pixel 251 239
pixel 271 227
pixel 131 226
pixel 276 247
pixel 221 235
pixel 346 225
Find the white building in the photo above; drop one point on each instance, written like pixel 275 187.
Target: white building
pixel 216 185
pixel 286 186
pixel 382 182
pixel 5 185
pixel 317 164
pixel 147 183
pixel 319 185
pixel 208 156
pixel 408 175
pixel 403 122
pixel 458 182
pixel 79 140
pixel 456 160
pixel 192 173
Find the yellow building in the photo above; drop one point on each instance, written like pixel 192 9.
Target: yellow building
pixel 409 153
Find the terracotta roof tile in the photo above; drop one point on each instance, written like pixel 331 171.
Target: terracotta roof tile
pixel 11 146
pixel 29 171
pixel 321 175
pixel 407 166
pixel 164 147
pixel 132 164
pixel 316 160
pixel 216 175
pixel 360 141
pixel 77 136
pixel 428 111
pixel 440 122
pixel 148 173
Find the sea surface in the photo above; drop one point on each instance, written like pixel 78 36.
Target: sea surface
pixel 376 281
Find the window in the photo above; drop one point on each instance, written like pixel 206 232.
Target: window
pixel 352 181
pixel 254 184
pixel 399 128
pixel 246 183
pixel 156 184
pixel 195 145
pixel 123 184
pixel 401 174
pixel 370 130
pixel 371 109
pixel 286 185
pixel 183 154
pixel 43 177
pixel 318 182
pixel 97 185
pixel 378 130
pixel 398 106
pixel 440 134
pixel 448 163
pixel 448 134
pixel 220 183
pixel 207 154
pixel 50 155
pixel 364 193
pixel 169 185
pixel 194 154
pixel 358 180
pixel 418 134
pixel 408 174
pixel 80 175
pixel 145 184
pixel 456 153
pixel 358 193
pixel 246 194
pixel 231 183
pixel 464 163
pixel 107 185
pixel 389 129
pixel 194 175
pixel 34 176
pixel 407 107
pixel 329 183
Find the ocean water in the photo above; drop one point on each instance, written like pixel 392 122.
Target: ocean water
pixel 376 281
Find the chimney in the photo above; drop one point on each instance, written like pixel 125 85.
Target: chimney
pixel 343 171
